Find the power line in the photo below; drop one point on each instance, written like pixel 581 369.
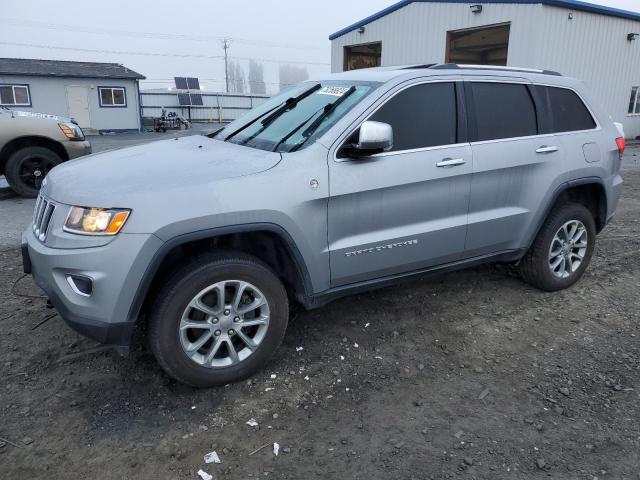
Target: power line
pixel 151 54
pixel 152 35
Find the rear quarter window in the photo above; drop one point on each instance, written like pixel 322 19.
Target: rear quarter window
pixel 568 113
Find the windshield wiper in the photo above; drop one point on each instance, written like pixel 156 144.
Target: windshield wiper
pixel 273 113
pixel 328 110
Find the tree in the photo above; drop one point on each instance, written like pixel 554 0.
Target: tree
pixel 292 74
pixel 237 82
pixel 256 78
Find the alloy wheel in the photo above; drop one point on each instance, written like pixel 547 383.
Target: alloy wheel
pixel 568 249
pixel 224 323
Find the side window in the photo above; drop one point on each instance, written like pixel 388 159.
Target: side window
pixel 503 110
pixel 112 97
pixel 421 116
pixel 634 102
pixel 568 112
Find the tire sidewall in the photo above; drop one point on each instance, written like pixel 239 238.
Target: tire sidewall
pixel 166 320
pixel 12 168
pixel 567 213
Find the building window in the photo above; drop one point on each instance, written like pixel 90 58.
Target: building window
pixel 362 56
pixel 112 96
pixel 15 95
pixel 634 102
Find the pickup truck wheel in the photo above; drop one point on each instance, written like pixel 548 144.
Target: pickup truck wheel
pixel 218 320
pixel 25 169
pixel 562 250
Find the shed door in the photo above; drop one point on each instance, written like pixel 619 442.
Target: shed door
pixel 78 102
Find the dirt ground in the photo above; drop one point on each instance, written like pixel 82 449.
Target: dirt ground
pixel 468 375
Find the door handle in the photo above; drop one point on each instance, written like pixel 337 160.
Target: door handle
pixel 450 162
pixel 545 149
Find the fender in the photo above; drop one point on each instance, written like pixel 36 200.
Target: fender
pixel 160 255
pixel 563 187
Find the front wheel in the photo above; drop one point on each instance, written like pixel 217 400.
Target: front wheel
pixel 25 169
pixel 218 320
pixel 562 250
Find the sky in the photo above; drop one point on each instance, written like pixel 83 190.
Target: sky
pixel 166 39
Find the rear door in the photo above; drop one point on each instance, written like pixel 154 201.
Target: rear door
pixel 405 209
pixel 514 163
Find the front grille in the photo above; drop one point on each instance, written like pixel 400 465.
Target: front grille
pixel 42 217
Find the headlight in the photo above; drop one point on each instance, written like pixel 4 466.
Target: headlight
pixel 95 221
pixel 71 131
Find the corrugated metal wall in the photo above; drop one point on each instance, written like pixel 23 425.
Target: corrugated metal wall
pixel 591 47
pixel 216 107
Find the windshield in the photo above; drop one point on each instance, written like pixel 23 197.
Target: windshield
pixel 294 117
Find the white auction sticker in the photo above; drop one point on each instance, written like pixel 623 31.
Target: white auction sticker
pixel 333 91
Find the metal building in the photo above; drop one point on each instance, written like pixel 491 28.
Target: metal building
pixel 99 96
pixel 596 44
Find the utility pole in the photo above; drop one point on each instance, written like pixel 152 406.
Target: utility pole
pixel 225 45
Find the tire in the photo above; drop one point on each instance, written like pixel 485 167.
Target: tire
pixel 26 169
pixel 538 265
pixel 171 336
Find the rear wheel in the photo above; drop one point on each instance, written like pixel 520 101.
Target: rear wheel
pixel 26 169
pixel 562 250
pixel 218 320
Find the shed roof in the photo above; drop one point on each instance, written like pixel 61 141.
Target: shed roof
pixel 63 68
pixel 572 4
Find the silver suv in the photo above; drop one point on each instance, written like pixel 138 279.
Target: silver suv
pixel 331 187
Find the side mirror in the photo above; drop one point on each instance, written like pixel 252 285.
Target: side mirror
pixel 374 137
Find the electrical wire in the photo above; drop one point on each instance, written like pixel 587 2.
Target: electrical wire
pixel 152 54
pixel 151 35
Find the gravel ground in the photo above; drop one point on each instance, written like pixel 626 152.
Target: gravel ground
pixel 472 374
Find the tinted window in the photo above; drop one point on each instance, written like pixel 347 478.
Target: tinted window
pixel 503 110
pixel 568 112
pixel 421 116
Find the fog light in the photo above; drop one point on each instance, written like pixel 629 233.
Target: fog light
pixel 80 284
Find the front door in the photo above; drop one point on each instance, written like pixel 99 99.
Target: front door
pixel 78 103
pixel 406 209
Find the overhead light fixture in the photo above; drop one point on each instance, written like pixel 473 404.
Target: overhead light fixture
pixel 361 30
pixel 476 8
pixel 633 36
pixel 570 16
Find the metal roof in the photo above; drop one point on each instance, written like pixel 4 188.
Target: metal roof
pixel 572 4
pixel 63 68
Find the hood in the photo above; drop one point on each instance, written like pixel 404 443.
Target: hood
pixel 45 117
pixel 129 176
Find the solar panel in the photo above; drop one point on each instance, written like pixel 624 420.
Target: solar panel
pixel 184 99
pixel 193 83
pixel 196 99
pixel 181 83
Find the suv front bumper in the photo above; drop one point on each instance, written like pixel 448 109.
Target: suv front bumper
pixel 115 269
pixel 77 148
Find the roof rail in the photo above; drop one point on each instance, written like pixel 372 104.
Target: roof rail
pixel 411 67
pixel 451 66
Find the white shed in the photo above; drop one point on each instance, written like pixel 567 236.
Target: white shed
pixel 99 96
pixel 599 45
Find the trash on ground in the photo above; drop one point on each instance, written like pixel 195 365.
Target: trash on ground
pixel 483 394
pixel 212 457
pixel 204 475
pixel 276 449
pixel 252 422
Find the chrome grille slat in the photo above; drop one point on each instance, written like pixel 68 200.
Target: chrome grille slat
pixel 42 217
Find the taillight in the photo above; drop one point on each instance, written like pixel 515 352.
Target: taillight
pixel 621 144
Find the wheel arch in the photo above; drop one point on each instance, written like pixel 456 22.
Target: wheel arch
pixel 268 242
pixel 30 141
pixel 588 191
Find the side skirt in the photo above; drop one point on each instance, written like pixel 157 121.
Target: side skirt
pixel 332 294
